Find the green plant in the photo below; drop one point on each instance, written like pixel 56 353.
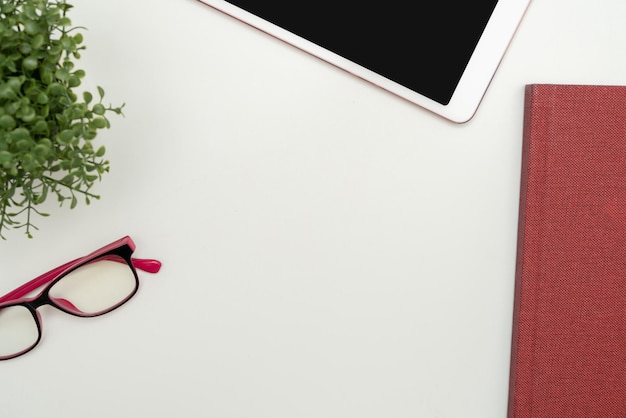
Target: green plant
pixel 46 128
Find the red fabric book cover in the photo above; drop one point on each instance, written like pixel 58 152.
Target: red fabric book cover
pixel 569 325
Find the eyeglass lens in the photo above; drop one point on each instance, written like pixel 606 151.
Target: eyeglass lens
pixel 92 289
pixel 18 330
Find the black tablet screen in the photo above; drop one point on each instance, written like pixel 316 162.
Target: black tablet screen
pixel 424 46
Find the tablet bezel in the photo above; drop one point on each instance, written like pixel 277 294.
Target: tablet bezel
pixel 472 86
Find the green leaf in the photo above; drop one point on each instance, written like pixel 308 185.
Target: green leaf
pixel 37 41
pixel 27 114
pixel 15 83
pixel 73 81
pixel 7 122
pixel 62 74
pixel 98 109
pixel 5 156
pixel 66 136
pixel 41 150
pixel 68 43
pixel 56 89
pixel 29 63
pixel 67 180
pixel 42 98
pixel 6 92
pixel 25 48
pixel 23 145
pixel 31 27
pixel 46 74
pixel 40 127
pixel 18 134
pixel 98 123
pixel 64 21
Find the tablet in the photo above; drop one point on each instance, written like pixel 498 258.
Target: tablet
pixel 439 55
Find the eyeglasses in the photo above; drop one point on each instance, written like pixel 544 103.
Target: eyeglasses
pixel 88 286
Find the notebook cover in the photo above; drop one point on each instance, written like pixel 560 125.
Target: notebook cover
pixel 569 325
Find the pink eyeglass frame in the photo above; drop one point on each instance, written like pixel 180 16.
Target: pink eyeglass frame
pixel 123 247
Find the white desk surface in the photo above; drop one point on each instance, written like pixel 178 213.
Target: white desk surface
pixel 328 249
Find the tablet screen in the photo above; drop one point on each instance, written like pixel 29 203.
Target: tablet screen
pixel 424 46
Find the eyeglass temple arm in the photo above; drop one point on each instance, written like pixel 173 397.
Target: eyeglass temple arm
pixel 147 265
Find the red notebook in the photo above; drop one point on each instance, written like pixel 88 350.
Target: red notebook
pixel 569 326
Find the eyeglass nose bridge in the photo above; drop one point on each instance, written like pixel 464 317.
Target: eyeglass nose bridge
pixel 44 298
pixel 38 301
